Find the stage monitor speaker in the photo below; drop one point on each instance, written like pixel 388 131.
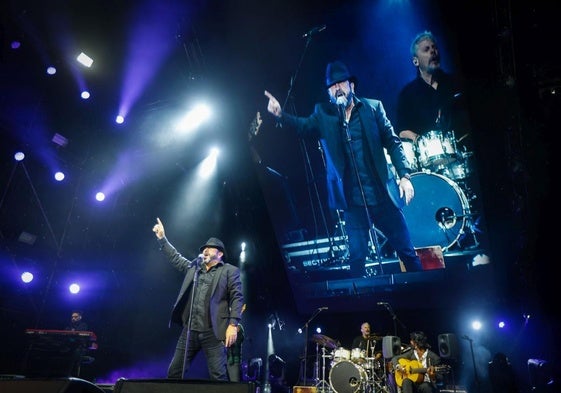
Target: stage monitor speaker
pixel 391 346
pixel 55 385
pixel 448 346
pixel 181 386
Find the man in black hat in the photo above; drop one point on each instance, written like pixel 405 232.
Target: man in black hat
pixel 353 132
pixel 208 307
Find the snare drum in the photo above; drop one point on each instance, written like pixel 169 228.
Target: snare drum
pixel 436 148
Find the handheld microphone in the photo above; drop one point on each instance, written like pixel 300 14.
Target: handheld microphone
pixel 197 261
pixel 314 30
pixel 341 101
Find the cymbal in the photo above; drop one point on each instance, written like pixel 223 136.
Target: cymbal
pixel 324 341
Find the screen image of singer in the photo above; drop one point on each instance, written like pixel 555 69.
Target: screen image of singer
pixel 445 221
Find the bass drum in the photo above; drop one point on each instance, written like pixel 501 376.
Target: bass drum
pixel 437 214
pixel 347 377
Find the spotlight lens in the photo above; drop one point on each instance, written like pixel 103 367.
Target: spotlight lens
pixel 27 277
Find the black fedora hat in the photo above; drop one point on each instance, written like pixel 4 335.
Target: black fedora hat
pixel 215 243
pixel 336 72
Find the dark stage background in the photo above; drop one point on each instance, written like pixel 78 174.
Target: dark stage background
pixel 228 54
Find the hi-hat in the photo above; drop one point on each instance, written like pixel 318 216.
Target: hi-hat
pixel 324 341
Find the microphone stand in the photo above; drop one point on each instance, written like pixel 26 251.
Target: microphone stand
pixel 475 376
pixel 309 172
pixel 305 328
pixel 395 319
pixel 188 335
pixel 371 227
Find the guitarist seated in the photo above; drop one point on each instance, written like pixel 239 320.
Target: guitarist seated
pixel 415 370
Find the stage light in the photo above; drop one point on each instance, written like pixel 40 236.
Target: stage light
pixel 119 119
pixel 209 164
pixel 74 288
pixel 84 59
pixel 59 176
pixel 27 238
pixel 194 118
pixel 476 325
pixel 271 321
pixel 27 277
pixel 85 94
pixel 19 156
pixel 59 140
pixel 100 196
pixel 51 70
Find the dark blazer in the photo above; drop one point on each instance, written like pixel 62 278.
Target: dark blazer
pixel 325 124
pixel 226 299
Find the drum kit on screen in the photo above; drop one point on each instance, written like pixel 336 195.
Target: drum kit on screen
pixel 350 371
pixel 445 190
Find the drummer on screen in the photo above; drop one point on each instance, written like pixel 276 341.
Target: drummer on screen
pixel 432 100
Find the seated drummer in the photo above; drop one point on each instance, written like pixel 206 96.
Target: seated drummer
pixel 366 342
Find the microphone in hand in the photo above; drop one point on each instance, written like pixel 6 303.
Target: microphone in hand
pixel 197 261
pixel 341 101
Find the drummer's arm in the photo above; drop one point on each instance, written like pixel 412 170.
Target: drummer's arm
pixel 408 134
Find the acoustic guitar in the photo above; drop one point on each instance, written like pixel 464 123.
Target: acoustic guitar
pixel 413 370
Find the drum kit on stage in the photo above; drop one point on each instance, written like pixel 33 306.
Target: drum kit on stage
pixel 350 371
pixel 445 203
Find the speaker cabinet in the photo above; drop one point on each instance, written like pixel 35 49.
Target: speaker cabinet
pixel 57 385
pixel 448 346
pixel 180 386
pixel 391 346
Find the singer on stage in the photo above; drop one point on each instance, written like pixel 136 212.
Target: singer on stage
pixel 353 132
pixel 208 307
